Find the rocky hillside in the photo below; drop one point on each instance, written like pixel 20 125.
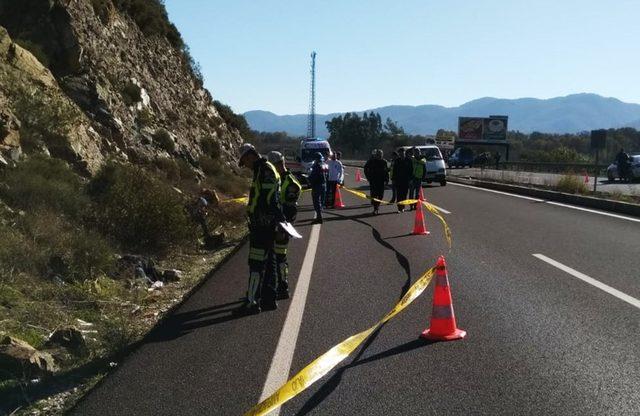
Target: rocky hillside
pixel 91 80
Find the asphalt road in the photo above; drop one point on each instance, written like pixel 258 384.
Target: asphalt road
pixel 540 340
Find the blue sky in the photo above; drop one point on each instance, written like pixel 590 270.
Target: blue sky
pixel 255 53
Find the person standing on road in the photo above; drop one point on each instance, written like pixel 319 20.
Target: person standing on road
pixel 402 174
pixel 289 195
pixel 377 173
pixel 419 172
pixel 318 182
pixel 622 160
pixel 264 212
pixel 394 157
pixel 334 177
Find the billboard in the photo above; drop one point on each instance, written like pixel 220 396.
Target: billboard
pixel 470 128
pixel 492 129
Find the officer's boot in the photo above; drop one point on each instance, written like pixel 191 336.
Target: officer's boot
pixel 253 292
pixel 283 280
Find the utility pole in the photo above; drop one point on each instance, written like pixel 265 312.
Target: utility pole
pixel 311 124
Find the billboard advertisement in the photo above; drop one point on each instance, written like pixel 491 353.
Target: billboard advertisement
pixel 470 128
pixel 495 128
pixel 492 129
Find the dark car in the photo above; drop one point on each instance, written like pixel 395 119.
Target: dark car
pixel 461 157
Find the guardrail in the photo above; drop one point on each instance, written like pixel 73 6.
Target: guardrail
pixel 546 167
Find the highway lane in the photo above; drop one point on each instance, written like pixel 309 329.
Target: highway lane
pixel 540 341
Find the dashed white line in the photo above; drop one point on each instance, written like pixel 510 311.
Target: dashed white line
pixel 615 292
pixel 559 204
pixel 281 363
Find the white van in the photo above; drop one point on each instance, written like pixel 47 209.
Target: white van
pixel 436 169
pixel 308 150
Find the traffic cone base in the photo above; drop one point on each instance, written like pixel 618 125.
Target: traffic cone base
pixel 337 200
pixel 457 334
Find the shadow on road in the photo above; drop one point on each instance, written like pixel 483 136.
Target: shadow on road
pixel 331 384
pixel 180 324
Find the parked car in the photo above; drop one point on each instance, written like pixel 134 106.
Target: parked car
pixel 634 166
pixel 461 157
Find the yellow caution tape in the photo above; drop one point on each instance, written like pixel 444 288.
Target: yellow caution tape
pixel 327 361
pixel 241 200
pixel 435 211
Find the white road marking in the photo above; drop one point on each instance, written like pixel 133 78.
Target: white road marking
pixel 281 363
pixel 615 292
pixel 559 204
pixel 498 192
pixel 608 214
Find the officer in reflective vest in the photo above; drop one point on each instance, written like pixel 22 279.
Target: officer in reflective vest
pixel 264 212
pixel 289 194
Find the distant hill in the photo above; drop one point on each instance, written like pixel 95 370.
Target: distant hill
pixel 570 114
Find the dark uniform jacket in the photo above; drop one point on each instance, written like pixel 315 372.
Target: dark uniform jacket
pixel 403 170
pixel 264 209
pixel 376 171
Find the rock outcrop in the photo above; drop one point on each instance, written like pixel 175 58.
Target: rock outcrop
pixel 21 360
pixel 105 87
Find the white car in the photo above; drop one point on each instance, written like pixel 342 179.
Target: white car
pixel 634 165
pixel 436 169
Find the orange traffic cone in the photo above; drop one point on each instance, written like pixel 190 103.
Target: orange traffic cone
pixel 586 177
pixel 358 177
pixel 443 321
pixel 418 227
pixel 337 200
pixel 421 195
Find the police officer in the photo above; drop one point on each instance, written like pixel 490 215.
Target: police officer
pixel 318 182
pixel 419 171
pixel 289 194
pixel 402 175
pixel 264 214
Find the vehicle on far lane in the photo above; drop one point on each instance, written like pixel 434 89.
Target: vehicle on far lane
pixel 461 157
pixel 634 169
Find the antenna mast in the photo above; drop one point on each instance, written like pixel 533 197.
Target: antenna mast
pixel 311 124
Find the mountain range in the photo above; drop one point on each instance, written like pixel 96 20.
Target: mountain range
pixel 570 114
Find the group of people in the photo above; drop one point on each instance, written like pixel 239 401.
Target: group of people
pixel 273 201
pixel 406 171
pixel 324 178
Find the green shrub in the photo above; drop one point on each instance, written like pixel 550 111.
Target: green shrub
pixel 131 93
pixel 152 19
pixel 44 183
pixel 169 167
pixel 163 138
pixel 210 147
pixel 65 248
pixel 186 171
pixel 141 212
pixel 210 166
pixel 237 121
pixel 144 117
pixel 572 184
